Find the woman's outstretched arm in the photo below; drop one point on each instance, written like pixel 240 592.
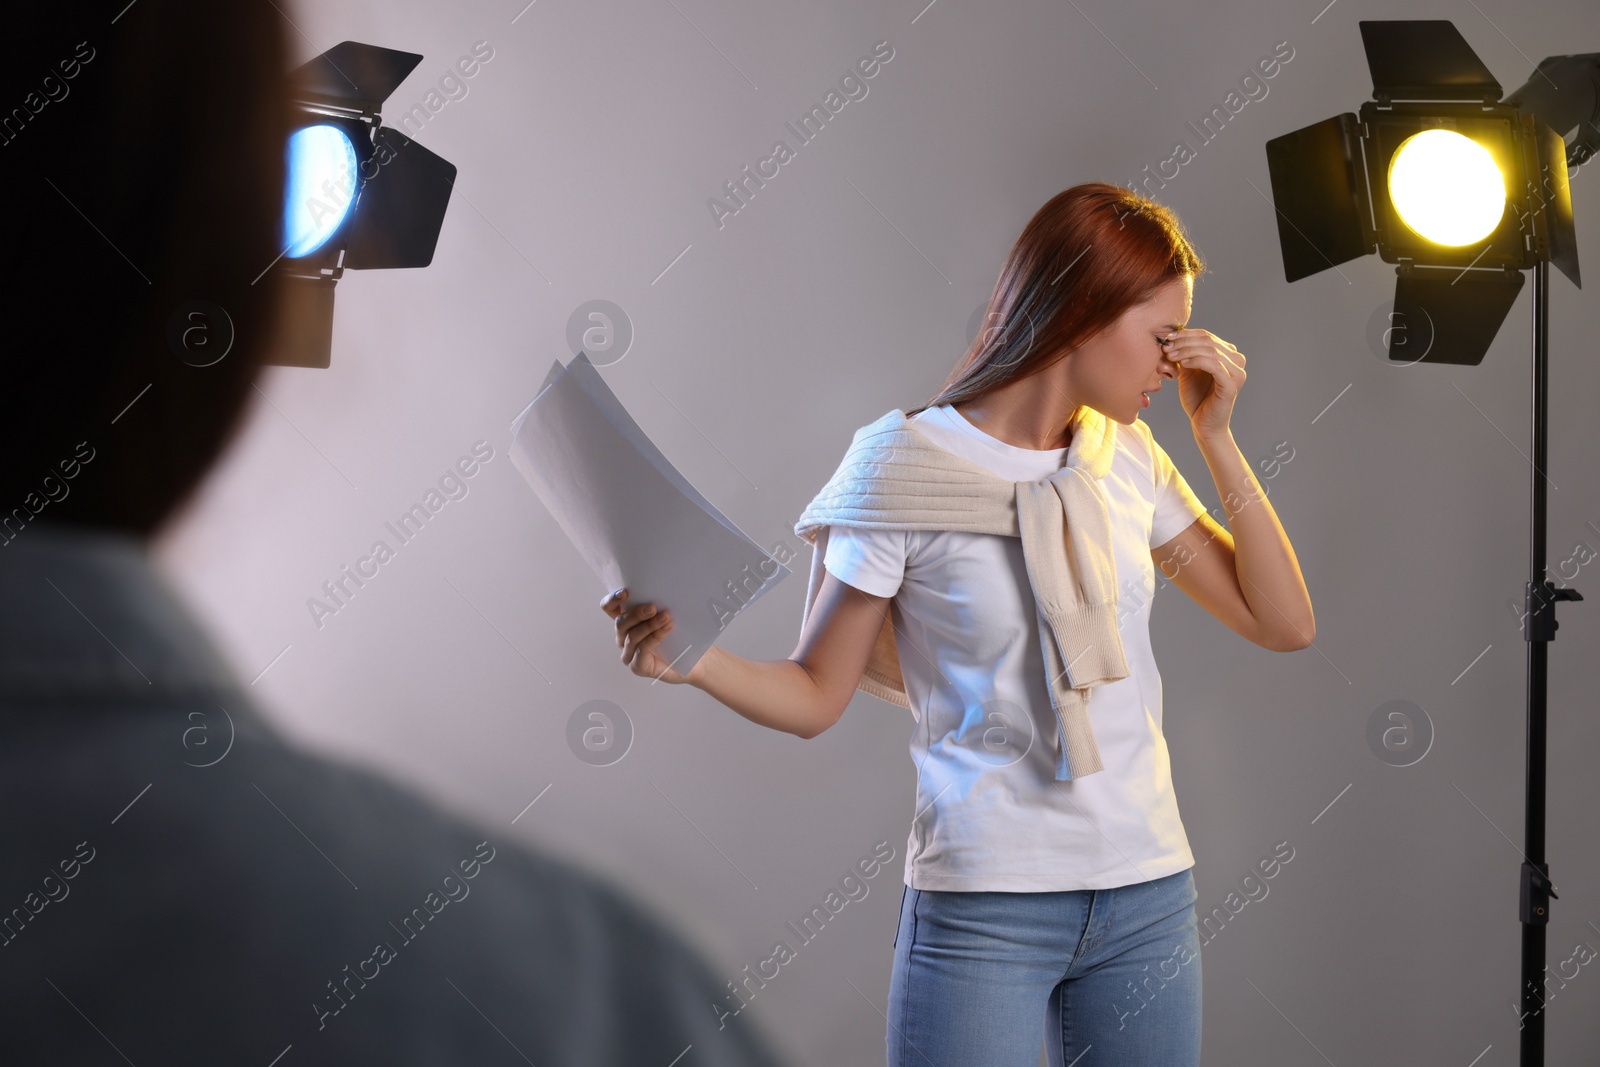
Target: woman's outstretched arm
pixel 801 695
pixel 807 692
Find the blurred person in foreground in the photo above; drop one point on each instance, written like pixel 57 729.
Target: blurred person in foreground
pixel 180 885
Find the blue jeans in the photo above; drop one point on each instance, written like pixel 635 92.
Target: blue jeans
pixel 1113 975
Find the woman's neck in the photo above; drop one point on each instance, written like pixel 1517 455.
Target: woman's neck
pixel 1020 429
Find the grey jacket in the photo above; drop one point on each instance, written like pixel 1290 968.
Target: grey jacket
pixel 180 885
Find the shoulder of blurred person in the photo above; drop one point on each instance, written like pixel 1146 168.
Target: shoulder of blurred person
pixel 180 883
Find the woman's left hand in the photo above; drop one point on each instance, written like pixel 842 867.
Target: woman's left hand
pixel 1210 375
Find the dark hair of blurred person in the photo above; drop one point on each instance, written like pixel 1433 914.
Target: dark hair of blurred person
pixel 150 176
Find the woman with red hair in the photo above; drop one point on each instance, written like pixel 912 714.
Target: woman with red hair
pixel 988 561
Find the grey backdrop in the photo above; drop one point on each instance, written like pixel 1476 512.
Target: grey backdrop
pixel 588 147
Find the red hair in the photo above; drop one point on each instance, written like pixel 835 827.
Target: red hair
pixel 1088 255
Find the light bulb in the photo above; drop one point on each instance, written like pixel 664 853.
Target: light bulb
pixel 1446 187
pixel 320 189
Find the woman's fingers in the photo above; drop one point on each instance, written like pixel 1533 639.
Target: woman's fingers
pixel 632 617
pixel 1205 360
pixel 639 629
pixel 612 603
pixel 644 635
pixel 1189 344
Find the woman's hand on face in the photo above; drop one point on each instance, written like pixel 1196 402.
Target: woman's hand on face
pixel 639 630
pixel 1210 375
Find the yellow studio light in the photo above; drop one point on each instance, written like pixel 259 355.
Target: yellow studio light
pixel 1446 187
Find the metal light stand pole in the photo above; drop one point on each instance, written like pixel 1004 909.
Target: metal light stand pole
pixel 1540 599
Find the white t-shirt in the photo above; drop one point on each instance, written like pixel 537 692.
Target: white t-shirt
pixel 990 814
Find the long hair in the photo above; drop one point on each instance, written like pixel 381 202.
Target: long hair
pixel 1089 254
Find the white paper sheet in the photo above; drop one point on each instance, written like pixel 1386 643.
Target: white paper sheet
pixel 632 516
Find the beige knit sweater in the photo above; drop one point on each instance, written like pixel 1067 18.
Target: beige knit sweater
pixel 893 477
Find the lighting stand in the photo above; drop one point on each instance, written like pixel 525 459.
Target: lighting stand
pixel 1539 630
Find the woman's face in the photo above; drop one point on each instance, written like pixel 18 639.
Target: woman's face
pixel 1110 371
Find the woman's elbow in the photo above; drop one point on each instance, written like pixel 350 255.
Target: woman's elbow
pixel 1293 640
pixel 820 726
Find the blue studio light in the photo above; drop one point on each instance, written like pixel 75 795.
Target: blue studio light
pixel 320 189
pixel 357 195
